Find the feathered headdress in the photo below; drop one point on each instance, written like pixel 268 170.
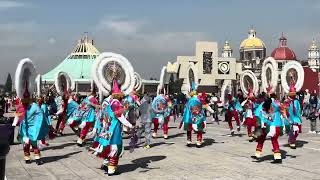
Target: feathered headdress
pixel 116 92
pixel 193 89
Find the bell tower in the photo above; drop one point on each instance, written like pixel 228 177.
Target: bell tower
pixel 314 57
pixel 226 50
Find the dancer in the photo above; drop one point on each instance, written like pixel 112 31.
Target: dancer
pixel 250 120
pixel 110 146
pixel 161 107
pixel 61 114
pixel 131 104
pixel 33 127
pixel 76 113
pixel 194 118
pixel 269 115
pixel 47 118
pixel 233 107
pixel 98 125
pixel 89 117
pixel 294 116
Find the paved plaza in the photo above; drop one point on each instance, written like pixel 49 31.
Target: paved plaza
pixel 223 157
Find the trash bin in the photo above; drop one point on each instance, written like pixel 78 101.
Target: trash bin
pixel 7 123
pixel 4 146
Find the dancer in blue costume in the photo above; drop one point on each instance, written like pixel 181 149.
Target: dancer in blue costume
pixel 269 115
pixel 131 103
pixel 98 125
pixel 160 114
pixel 89 117
pixel 250 119
pixel 42 102
pixel 110 144
pixel 33 127
pixel 293 116
pixel 78 110
pixel 194 118
pixel 233 107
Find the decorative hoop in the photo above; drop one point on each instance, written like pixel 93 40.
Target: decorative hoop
pixel 99 72
pixel 63 76
pixel 271 64
pixel 138 81
pixel 252 76
pixel 300 72
pixel 225 90
pixel 192 68
pixel 39 84
pixel 25 75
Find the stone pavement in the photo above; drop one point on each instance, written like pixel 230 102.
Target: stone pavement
pixel 223 157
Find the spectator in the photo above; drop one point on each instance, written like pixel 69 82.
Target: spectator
pixel 306 103
pixel 313 115
pixel 214 106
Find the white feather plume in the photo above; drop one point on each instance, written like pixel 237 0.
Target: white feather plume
pixel 25 68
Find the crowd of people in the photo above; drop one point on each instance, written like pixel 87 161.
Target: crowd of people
pixel 264 116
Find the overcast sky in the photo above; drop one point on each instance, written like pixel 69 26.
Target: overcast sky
pixel 148 32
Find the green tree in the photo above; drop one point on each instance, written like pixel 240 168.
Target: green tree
pixel 8 85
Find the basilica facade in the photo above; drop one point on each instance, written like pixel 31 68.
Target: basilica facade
pixel 214 70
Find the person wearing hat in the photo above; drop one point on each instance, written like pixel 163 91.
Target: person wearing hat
pixel 194 118
pixel 89 117
pixel 32 128
pixel 110 146
pixel 293 116
pixel 269 117
pixel 250 119
pixel 161 108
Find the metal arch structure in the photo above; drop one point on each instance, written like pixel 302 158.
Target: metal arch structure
pixel 25 76
pixel 288 75
pixel 109 66
pixel 269 69
pixel 245 77
pixel 63 83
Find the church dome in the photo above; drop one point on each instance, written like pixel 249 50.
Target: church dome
pixel 283 52
pixel 252 41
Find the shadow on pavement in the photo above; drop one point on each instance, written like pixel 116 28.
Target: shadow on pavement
pixel 62 146
pixel 140 163
pixel 161 143
pixel 57 158
pixel 284 155
pixel 299 144
pixel 210 141
pixel 235 135
pixel 175 135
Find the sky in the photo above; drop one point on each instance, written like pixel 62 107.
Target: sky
pixel 148 32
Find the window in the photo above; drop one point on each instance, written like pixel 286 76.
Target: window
pixel 207 62
pixel 258 54
pixel 249 56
